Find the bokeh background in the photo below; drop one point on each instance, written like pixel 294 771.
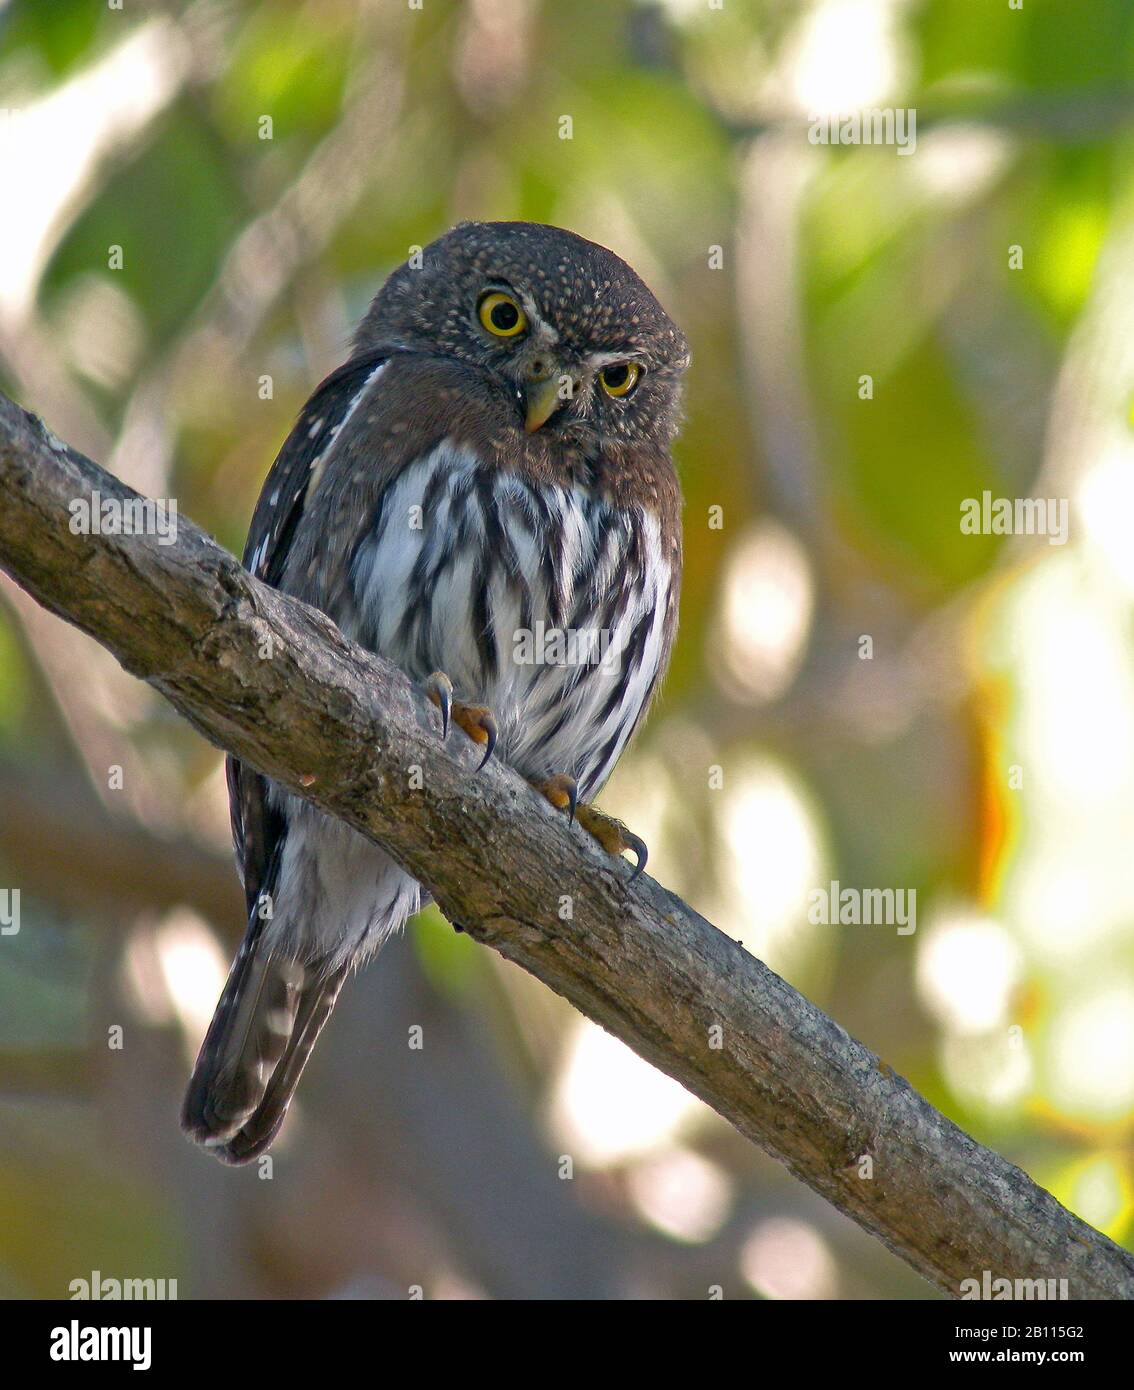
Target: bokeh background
pixel 979 749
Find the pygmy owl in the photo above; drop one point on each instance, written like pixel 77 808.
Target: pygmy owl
pixel 483 493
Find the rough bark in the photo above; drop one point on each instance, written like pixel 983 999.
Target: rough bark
pixel 275 682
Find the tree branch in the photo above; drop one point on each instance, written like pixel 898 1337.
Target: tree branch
pixel 275 682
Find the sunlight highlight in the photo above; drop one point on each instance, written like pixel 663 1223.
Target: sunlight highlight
pixel 609 1105
pixel 787 1259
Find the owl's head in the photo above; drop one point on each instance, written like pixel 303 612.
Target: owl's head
pixel 588 352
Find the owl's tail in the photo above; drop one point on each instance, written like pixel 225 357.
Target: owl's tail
pixel 269 1016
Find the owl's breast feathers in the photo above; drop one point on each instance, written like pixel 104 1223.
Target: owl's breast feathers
pixel 411 505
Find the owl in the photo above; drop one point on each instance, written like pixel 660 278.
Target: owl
pixel 483 494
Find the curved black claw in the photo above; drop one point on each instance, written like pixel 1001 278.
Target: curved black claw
pixel 488 724
pixel 439 689
pixel 562 792
pixel 641 853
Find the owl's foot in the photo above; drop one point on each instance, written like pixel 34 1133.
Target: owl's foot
pixel 476 720
pixel 563 793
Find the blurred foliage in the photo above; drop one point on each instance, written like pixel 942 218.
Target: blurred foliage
pixel 244 257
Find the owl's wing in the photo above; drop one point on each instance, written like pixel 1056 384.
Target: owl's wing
pixel 322 498
pixel 257 828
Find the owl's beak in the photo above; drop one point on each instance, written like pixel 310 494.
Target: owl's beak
pixel 541 400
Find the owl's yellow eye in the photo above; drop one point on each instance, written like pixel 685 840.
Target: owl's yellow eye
pixel 620 378
pixel 501 315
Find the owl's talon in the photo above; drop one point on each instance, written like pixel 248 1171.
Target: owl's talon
pixel 563 793
pixel 439 689
pixel 637 846
pixel 476 720
pixel 478 723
